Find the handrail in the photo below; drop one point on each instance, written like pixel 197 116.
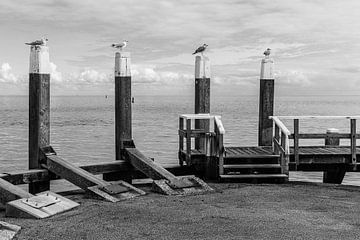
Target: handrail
pixel 219 124
pixel 353 135
pixel 317 117
pixel 281 125
pixel 219 142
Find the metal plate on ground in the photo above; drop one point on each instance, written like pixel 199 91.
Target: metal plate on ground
pixel 130 192
pixel 199 187
pixel 180 182
pixel 53 204
pixel 41 201
pixel 115 189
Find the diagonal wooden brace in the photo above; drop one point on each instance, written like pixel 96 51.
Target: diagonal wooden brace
pixel 111 191
pixel 174 185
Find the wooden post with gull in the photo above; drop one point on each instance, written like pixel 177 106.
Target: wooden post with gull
pixel 266 101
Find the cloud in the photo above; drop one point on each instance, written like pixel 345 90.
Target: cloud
pixel 6 75
pixel 56 76
pixel 293 78
pixel 150 75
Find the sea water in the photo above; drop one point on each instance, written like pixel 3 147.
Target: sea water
pixel 82 127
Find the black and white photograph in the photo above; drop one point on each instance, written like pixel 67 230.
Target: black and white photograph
pixel 179 119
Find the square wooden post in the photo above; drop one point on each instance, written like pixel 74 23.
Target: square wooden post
pixel 39 110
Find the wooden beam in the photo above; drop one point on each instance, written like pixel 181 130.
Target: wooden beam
pixel 296 141
pixel 39 110
pixel 123 112
pixel 266 103
pixel 39 175
pixel 202 96
pixel 147 166
pixel 10 192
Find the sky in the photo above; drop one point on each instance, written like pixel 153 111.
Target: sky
pixel 315 44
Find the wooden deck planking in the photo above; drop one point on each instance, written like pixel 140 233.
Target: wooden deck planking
pixel 248 151
pixel 305 150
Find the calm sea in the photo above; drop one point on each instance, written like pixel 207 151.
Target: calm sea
pixel 82 127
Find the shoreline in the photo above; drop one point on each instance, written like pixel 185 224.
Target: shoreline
pixel 295 210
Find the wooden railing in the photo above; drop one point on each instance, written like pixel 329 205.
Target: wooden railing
pixel 296 135
pixel 219 142
pixel 281 144
pixel 213 143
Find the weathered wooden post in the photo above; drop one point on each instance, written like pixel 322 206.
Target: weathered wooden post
pixel 202 96
pixel 266 102
pixel 123 123
pixel 39 109
pixel 335 174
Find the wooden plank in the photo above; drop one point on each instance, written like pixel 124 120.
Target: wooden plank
pixel 26 177
pixel 147 166
pixel 181 139
pixel 10 192
pixel 242 176
pixel 72 173
pixel 236 166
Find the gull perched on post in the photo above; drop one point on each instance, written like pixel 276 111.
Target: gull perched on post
pixel 120 46
pixel 267 52
pixel 41 42
pixel 200 49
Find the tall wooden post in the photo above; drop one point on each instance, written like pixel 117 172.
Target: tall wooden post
pixel 123 114
pixel 39 109
pixel 337 173
pixel 202 95
pixel 266 102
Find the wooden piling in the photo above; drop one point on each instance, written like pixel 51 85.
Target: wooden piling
pixel 337 173
pixel 123 113
pixel 202 95
pixel 39 110
pixel 266 102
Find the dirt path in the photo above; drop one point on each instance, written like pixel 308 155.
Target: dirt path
pixel 235 211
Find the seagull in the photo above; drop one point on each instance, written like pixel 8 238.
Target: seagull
pixel 200 49
pixel 41 42
pixel 267 52
pixel 119 46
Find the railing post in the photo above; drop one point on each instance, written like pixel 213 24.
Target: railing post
pixel 277 137
pixel 266 102
pixel 336 174
pixel 181 140
pixel 188 141
pixel 123 113
pixel 285 157
pixel 296 143
pixel 353 141
pixel 202 96
pixel 39 110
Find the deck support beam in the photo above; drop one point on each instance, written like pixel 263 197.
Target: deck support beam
pixel 86 180
pixel 164 181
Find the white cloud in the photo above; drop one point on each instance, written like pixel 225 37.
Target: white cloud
pixel 294 78
pixel 56 76
pixel 149 74
pixel 6 75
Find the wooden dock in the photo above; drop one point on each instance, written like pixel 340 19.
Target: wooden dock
pixel 269 162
